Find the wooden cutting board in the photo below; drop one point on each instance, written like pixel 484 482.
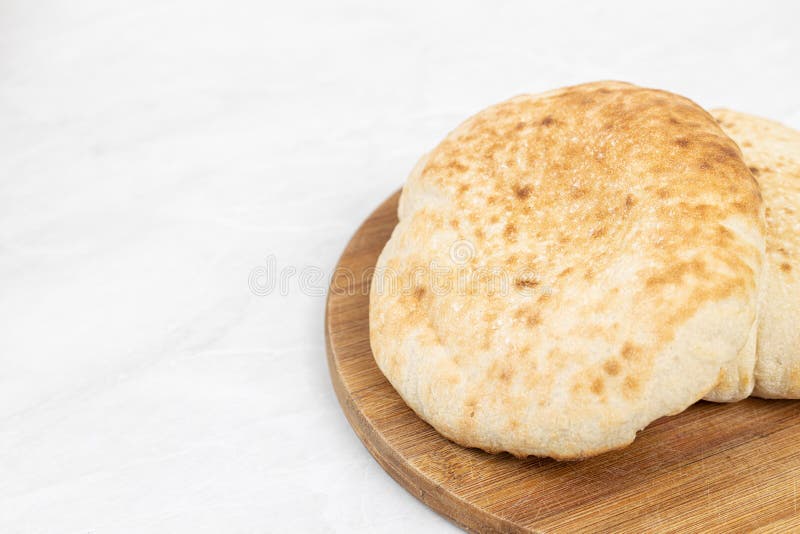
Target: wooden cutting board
pixel 714 467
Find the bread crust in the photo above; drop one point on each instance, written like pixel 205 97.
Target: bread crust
pixel 772 151
pixel 628 235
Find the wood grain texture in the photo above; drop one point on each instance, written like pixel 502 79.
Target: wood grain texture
pixel 713 468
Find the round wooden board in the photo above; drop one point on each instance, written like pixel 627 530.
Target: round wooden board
pixel 714 467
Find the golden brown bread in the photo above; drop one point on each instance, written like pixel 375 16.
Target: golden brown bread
pixel 569 267
pixel 772 151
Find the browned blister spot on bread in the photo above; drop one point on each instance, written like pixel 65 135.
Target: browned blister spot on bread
pixel 510 232
pixel 526 283
pixel 611 367
pixel 501 371
pixel 522 191
pixel 597 386
pixel 630 351
pixel 630 386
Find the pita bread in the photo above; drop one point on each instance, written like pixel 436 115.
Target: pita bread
pixel 567 268
pixel 772 151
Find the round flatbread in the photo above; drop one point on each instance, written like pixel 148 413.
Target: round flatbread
pixel 772 151
pixel 567 268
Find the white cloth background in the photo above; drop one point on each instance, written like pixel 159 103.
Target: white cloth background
pixel 153 153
